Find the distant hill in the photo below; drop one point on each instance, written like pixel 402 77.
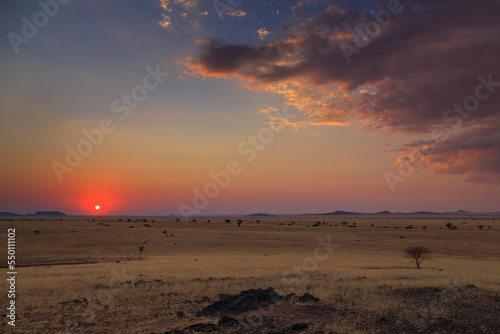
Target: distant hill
pixel 424 213
pixel 38 213
pixel 416 213
pixel 9 214
pixel 260 215
pixel 48 213
pixel 340 213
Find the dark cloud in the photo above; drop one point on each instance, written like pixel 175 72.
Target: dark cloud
pixel 218 57
pixel 402 79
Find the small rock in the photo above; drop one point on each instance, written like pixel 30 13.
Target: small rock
pixel 246 300
pixel 204 328
pixel 299 327
pixel 307 297
pixel 228 321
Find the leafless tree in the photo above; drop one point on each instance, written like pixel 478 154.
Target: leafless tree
pixel 141 249
pixel 417 254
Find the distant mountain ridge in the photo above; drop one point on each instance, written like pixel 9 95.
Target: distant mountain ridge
pixel 388 213
pixel 340 213
pixel 49 213
pixel 260 215
pixel 38 213
pixel 9 214
pixel 462 213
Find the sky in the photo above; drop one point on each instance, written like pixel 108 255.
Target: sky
pixel 194 107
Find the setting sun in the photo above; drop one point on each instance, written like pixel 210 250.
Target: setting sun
pixel 97 207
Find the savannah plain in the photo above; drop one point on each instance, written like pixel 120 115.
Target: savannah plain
pixel 88 275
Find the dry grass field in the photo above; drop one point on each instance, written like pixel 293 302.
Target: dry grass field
pixel 84 275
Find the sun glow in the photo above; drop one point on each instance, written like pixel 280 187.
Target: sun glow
pixel 97 207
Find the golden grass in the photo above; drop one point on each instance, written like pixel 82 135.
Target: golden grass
pixel 208 259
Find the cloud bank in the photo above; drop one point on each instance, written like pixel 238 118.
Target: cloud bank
pixel 405 66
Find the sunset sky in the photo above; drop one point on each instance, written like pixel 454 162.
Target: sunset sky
pixel 314 106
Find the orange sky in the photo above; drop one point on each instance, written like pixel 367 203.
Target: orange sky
pixel 168 104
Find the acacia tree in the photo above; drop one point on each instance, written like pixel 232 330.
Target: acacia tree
pixel 417 254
